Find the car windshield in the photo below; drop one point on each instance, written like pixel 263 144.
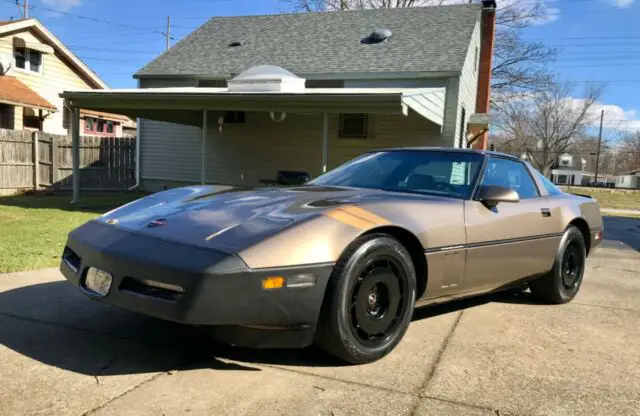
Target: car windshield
pixel 450 174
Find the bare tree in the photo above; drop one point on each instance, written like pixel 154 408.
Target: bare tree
pixel 518 64
pixel 545 124
pixel 628 153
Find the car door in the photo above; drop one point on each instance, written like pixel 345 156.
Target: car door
pixel 511 240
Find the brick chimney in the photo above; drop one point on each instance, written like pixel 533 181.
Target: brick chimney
pixel 487 37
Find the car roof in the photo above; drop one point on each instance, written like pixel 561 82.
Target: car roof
pixel 450 150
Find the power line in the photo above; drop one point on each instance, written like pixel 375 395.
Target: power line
pixel 88 18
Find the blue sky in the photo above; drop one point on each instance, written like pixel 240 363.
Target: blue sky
pixel 599 40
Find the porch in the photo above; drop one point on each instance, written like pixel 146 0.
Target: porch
pixel 263 122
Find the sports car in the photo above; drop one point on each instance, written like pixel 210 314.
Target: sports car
pixel 343 259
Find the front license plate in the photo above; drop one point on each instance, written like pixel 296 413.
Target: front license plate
pixel 98 281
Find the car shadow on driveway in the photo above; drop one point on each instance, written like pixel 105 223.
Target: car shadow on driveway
pixel 54 324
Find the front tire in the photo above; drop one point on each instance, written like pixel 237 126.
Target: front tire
pixel 369 300
pixel 563 282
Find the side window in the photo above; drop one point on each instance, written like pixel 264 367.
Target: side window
pixel 510 174
pixel 551 188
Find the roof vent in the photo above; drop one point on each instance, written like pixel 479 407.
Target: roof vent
pixel 236 44
pixel 266 78
pixel 377 36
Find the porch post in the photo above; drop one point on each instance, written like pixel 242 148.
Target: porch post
pixel 203 146
pixel 325 142
pixel 75 153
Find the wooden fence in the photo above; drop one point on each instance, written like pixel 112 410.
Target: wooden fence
pixel 36 160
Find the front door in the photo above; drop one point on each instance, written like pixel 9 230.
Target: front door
pixel 511 240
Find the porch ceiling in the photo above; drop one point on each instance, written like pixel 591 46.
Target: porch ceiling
pixel 185 105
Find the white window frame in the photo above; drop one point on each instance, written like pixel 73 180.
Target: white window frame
pixel 27 61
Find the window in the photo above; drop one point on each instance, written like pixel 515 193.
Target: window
pixel 100 126
pixel 31 119
pixel 510 174
pixel 476 61
pixel 109 126
pixel 89 124
pixel 28 59
pixel 234 117
pixel 548 185
pixel 21 58
pixel 353 125
pixel 448 174
pixel 463 128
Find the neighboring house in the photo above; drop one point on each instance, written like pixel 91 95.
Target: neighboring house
pixel 35 67
pixel 629 179
pixel 242 98
pixel 572 170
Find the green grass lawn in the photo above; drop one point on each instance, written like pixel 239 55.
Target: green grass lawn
pixel 33 229
pixel 609 199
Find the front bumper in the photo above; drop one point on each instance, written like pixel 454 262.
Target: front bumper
pixel 217 288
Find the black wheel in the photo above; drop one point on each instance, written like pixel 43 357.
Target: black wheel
pixel 562 283
pixel 369 300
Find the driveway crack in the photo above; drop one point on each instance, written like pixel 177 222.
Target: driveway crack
pixel 436 363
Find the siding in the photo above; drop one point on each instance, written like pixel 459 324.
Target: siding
pixel 396 83
pixel 169 151
pixel 468 83
pixel 56 77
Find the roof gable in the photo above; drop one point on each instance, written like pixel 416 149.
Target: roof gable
pixel 50 39
pixel 424 39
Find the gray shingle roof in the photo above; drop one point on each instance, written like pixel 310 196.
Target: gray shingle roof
pixel 424 39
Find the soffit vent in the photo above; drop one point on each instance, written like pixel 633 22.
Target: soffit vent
pixel 266 78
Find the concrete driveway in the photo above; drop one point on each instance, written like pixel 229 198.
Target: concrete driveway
pixel 65 355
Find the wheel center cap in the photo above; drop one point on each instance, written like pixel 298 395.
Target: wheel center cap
pixel 373 298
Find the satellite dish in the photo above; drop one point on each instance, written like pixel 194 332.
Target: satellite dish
pixel 282 116
pixel 6 62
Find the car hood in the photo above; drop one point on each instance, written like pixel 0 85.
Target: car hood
pixel 229 219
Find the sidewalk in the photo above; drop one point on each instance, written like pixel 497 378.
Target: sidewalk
pixel 620 211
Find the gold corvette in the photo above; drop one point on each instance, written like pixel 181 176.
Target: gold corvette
pixel 344 259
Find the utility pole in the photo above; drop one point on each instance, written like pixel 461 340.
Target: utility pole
pixel 599 143
pixel 26 9
pixel 168 32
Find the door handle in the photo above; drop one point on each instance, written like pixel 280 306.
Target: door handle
pixel 545 212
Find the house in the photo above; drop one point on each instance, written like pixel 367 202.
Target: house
pixel 629 179
pixel 35 67
pixel 242 98
pixel 572 170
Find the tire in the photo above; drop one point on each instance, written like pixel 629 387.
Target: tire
pixel 369 300
pixel 563 282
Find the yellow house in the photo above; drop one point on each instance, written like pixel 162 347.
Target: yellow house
pixel 35 67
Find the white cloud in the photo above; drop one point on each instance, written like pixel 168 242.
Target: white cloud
pixel 61 5
pixel 622 3
pixel 615 117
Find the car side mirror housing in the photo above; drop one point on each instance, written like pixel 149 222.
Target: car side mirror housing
pixel 493 195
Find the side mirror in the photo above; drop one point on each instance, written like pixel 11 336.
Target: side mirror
pixel 493 195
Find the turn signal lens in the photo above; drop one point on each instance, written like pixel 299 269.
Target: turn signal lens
pixel 273 282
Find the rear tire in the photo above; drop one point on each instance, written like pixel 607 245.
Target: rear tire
pixel 563 282
pixel 369 300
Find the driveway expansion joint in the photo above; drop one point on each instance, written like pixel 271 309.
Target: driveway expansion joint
pixel 124 393
pixel 436 362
